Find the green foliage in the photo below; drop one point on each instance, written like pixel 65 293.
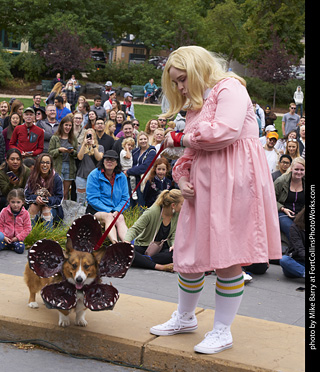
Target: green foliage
pixel 127 74
pixel 5 60
pixel 59 233
pixel 29 66
pixel 262 91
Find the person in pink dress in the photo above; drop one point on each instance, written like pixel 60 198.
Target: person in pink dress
pixel 229 217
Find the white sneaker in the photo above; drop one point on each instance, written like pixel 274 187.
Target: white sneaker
pixel 215 341
pixel 135 196
pixel 177 324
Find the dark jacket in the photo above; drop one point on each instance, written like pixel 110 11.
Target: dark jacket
pixel 296 248
pixel 141 162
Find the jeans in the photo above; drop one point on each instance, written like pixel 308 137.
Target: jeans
pixel 18 247
pixel 292 268
pixel 299 106
pixel 285 224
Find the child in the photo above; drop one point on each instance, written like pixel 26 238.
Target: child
pixel 157 182
pixel 128 145
pixel 15 223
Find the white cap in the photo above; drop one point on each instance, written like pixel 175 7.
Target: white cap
pixel 127 94
pixel 108 83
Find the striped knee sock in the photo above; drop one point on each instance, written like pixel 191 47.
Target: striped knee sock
pixel 229 292
pixel 189 293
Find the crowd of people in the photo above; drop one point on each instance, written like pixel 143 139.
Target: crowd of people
pixel 96 155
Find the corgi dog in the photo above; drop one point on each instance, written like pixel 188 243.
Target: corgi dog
pixel 79 269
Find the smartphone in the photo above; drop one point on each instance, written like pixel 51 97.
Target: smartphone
pixel 45 200
pixel 29 152
pixel 11 174
pixel 70 148
pixel 89 135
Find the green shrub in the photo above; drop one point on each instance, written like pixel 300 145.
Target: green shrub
pixel 29 66
pixel 127 74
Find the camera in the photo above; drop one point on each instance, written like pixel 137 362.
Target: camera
pixel 89 136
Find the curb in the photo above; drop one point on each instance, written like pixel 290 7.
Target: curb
pixel 122 335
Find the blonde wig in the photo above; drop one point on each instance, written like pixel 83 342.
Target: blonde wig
pixel 203 68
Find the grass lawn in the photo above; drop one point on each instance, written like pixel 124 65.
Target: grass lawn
pixel 143 112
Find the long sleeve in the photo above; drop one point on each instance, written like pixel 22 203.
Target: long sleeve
pixel 226 127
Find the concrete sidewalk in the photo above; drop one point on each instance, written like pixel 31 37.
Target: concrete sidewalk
pixel 122 335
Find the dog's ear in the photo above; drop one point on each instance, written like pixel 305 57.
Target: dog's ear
pixel 99 254
pixel 69 247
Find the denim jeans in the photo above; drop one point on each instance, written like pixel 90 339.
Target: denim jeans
pixel 292 268
pixel 285 224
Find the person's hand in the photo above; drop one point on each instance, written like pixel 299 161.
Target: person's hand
pixel 39 200
pixel 63 149
pixel 168 141
pixel 171 248
pixel 7 240
pixel 114 214
pixel 288 212
pixel 14 180
pixel 15 239
pixel 186 188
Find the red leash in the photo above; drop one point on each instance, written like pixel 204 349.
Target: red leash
pixel 103 237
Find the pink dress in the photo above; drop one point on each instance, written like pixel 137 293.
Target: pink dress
pixel 233 217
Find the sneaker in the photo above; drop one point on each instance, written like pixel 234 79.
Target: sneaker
pixel 215 341
pixel 247 278
pixel 177 324
pixel 135 196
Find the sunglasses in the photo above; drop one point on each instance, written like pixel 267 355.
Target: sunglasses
pixel 292 140
pixel 293 108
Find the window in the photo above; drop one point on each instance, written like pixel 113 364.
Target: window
pixel 7 41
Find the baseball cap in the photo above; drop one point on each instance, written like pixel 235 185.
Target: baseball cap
pixel 270 128
pixel 108 83
pixel 127 94
pixel 29 109
pixel 273 135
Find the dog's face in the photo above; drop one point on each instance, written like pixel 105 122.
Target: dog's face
pixel 81 268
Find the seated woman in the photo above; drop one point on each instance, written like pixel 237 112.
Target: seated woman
pixel 142 157
pixel 107 192
pixel 89 154
pixel 290 194
pixel 44 192
pixel 63 147
pixel 13 174
pixel 156 224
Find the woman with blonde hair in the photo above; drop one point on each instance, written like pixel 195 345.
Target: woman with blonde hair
pixel 89 154
pixel 56 91
pixel 224 178
pixel 158 223
pixel 290 194
pixel 292 148
pixel 110 129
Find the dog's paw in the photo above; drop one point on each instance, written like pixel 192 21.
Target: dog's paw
pixel 33 305
pixel 81 322
pixel 64 321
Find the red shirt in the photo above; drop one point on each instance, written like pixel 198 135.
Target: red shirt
pixel 27 139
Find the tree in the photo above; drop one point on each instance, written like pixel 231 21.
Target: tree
pixel 65 52
pixel 227 35
pixel 286 18
pixel 274 65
